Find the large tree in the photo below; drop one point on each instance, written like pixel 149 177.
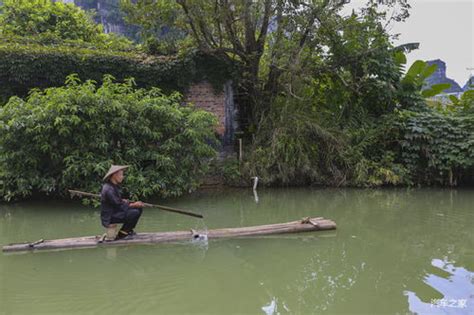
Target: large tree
pixel 276 41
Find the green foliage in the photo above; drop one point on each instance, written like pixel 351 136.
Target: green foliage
pixel 372 156
pixel 323 98
pixel 324 127
pixel 353 73
pixel 42 42
pixel 67 137
pixel 414 79
pixel 35 17
pixel 111 42
pixel 464 104
pixel 230 170
pixel 418 72
pixel 435 89
pixel 160 33
pixel 293 148
pixel 404 147
pixel 436 148
pixel 379 172
pixel 414 147
pixel 51 22
pixel 24 66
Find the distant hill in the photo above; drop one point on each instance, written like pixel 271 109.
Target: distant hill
pixel 439 76
pixel 469 84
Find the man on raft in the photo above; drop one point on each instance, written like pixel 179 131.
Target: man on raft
pixel 114 208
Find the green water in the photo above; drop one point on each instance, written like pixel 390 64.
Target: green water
pixel 394 252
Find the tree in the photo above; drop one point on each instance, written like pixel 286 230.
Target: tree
pixel 269 39
pixel 159 30
pixel 32 18
pixel 47 22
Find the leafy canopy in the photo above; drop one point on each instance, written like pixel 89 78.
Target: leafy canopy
pixel 51 22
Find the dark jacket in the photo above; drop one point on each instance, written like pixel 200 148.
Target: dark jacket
pixel 112 204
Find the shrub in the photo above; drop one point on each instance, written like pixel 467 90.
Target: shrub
pixel 292 147
pixel 422 146
pixel 426 146
pixel 437 148
pixel 67 137
pixel 25 64
pixel 372 155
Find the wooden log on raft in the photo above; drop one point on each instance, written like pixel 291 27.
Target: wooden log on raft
pixel 305 225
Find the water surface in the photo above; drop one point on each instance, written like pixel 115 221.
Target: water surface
pixel 394 252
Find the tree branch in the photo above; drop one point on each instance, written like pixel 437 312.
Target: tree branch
pixel 265 23
pixel 228 21
pixel 182 3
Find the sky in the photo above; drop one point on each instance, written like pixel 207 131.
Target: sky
pixel 444 29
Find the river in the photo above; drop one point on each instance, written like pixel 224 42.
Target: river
pixel 395 251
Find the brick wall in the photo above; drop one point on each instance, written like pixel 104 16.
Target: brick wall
pixel 203 96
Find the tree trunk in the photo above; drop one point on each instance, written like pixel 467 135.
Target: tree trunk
pixel 305 225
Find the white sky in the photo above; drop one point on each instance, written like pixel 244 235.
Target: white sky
pixel 444 29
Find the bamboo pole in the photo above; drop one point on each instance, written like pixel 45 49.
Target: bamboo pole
pixel 149 205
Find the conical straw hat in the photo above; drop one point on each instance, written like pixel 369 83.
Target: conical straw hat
pixel 114 169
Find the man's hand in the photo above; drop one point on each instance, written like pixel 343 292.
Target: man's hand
pixel 126 200
pixel 137 204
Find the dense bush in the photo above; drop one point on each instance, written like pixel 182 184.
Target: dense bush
pixel 293 147
pixel 372 156
pixel 437 148
pixel 405 148
pixel 419 146
pixel 67 137
pixel 27 65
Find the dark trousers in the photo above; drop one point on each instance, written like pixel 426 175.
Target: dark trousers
pixel 129 219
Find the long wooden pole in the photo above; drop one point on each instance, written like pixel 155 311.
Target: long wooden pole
pixel 149 205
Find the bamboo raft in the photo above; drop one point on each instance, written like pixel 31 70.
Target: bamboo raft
pixel 304 225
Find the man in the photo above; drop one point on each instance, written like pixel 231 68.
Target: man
pixel 114 208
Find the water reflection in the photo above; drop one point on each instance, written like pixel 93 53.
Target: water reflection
pixel 271 308
pixel 454 288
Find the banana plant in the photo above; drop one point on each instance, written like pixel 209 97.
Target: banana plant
pixel 416 75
